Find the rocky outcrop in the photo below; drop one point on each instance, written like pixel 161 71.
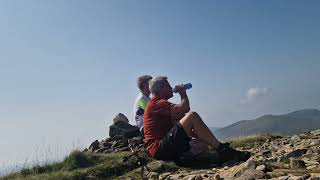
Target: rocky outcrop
pixel 282 158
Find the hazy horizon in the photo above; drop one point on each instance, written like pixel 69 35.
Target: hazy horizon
pixel 68 67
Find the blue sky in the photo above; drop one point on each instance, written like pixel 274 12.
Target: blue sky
pixel 68 67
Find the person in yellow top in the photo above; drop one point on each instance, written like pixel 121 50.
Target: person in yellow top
pixel 142 100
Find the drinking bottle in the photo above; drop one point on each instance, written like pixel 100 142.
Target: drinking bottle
pixel 185 86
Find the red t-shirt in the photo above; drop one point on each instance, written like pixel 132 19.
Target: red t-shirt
pixel 157 122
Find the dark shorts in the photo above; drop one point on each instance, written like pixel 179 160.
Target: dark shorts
pixel 173 144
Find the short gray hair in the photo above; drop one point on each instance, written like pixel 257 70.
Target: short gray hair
pixel 142 80
pixel 157 83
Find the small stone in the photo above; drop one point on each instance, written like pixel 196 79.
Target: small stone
pixel 295 178
pixel 153 175
pixel 261 167
pixel 252 174
pixel 214 169
pixel 156 165
pixel 315 176
pixel 189 177
pixel 312 167
pixel 315 132
pixel 309 152
pixel 282 177
pixel 295 138
pixel 251 164
pixel 217 177
pixel 198 177
pixel 164 175
pixel 296 164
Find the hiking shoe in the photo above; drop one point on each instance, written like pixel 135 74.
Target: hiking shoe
pixel 228 154
pixel 223 146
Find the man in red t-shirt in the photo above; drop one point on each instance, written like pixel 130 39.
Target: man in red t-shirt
pixel 168 128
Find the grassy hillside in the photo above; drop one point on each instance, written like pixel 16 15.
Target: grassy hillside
pixel 85 165
pixel 82 165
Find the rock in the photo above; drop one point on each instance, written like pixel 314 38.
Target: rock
pixel 296 163
pixel 296 178
pixel 276 174
pixel 190 177
pixel 120 117
pixel 312 167
pixel 164 175
pixel 297 153
pixel 114 138
pixel 134 142
pixel 214 169
pixel 94 146
pixel 234 171
pixel 283 177
pixel 315 132
pixel 123 129
pixel 120 144
pixel 314 176
pixel 295 138
pixel 314 142
pixel 309 152
pixel 251 164
pixel 105 144
pixel 198 177
pixel 122 149
pixel 105 150
pixel 217 177
pixel 153 175
pixel 261 167
pixel 252 174
pixel 156 165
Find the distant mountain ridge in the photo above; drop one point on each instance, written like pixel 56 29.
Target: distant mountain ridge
pixel 288 124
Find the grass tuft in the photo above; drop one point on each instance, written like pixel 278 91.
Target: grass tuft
pixel 251 141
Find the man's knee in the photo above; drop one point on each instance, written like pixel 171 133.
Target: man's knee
pixel 192 115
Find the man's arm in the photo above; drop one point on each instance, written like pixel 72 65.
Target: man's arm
pixel 183 107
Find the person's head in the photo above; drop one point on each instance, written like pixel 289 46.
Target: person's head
pixel 160 87
pixel 143 84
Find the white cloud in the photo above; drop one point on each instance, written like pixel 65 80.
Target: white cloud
pixel 254 93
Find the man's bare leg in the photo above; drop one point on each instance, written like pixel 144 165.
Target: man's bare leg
pixel 193 124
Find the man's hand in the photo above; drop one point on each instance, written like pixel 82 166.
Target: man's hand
pixel 181 90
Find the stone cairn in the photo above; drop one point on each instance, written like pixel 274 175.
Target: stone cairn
pixel 123 137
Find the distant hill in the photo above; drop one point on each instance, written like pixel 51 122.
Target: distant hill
pixel 288 124
pixel 214 128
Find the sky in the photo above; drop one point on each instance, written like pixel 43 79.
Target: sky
pixel 68 67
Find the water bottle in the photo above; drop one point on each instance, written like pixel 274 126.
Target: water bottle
pixel 185 86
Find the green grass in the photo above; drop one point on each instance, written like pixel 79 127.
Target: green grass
pixel 251 141
pixel 82 165
pixel 85 165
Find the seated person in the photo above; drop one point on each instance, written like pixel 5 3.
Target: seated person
pixel 168 127
pixel 142 100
